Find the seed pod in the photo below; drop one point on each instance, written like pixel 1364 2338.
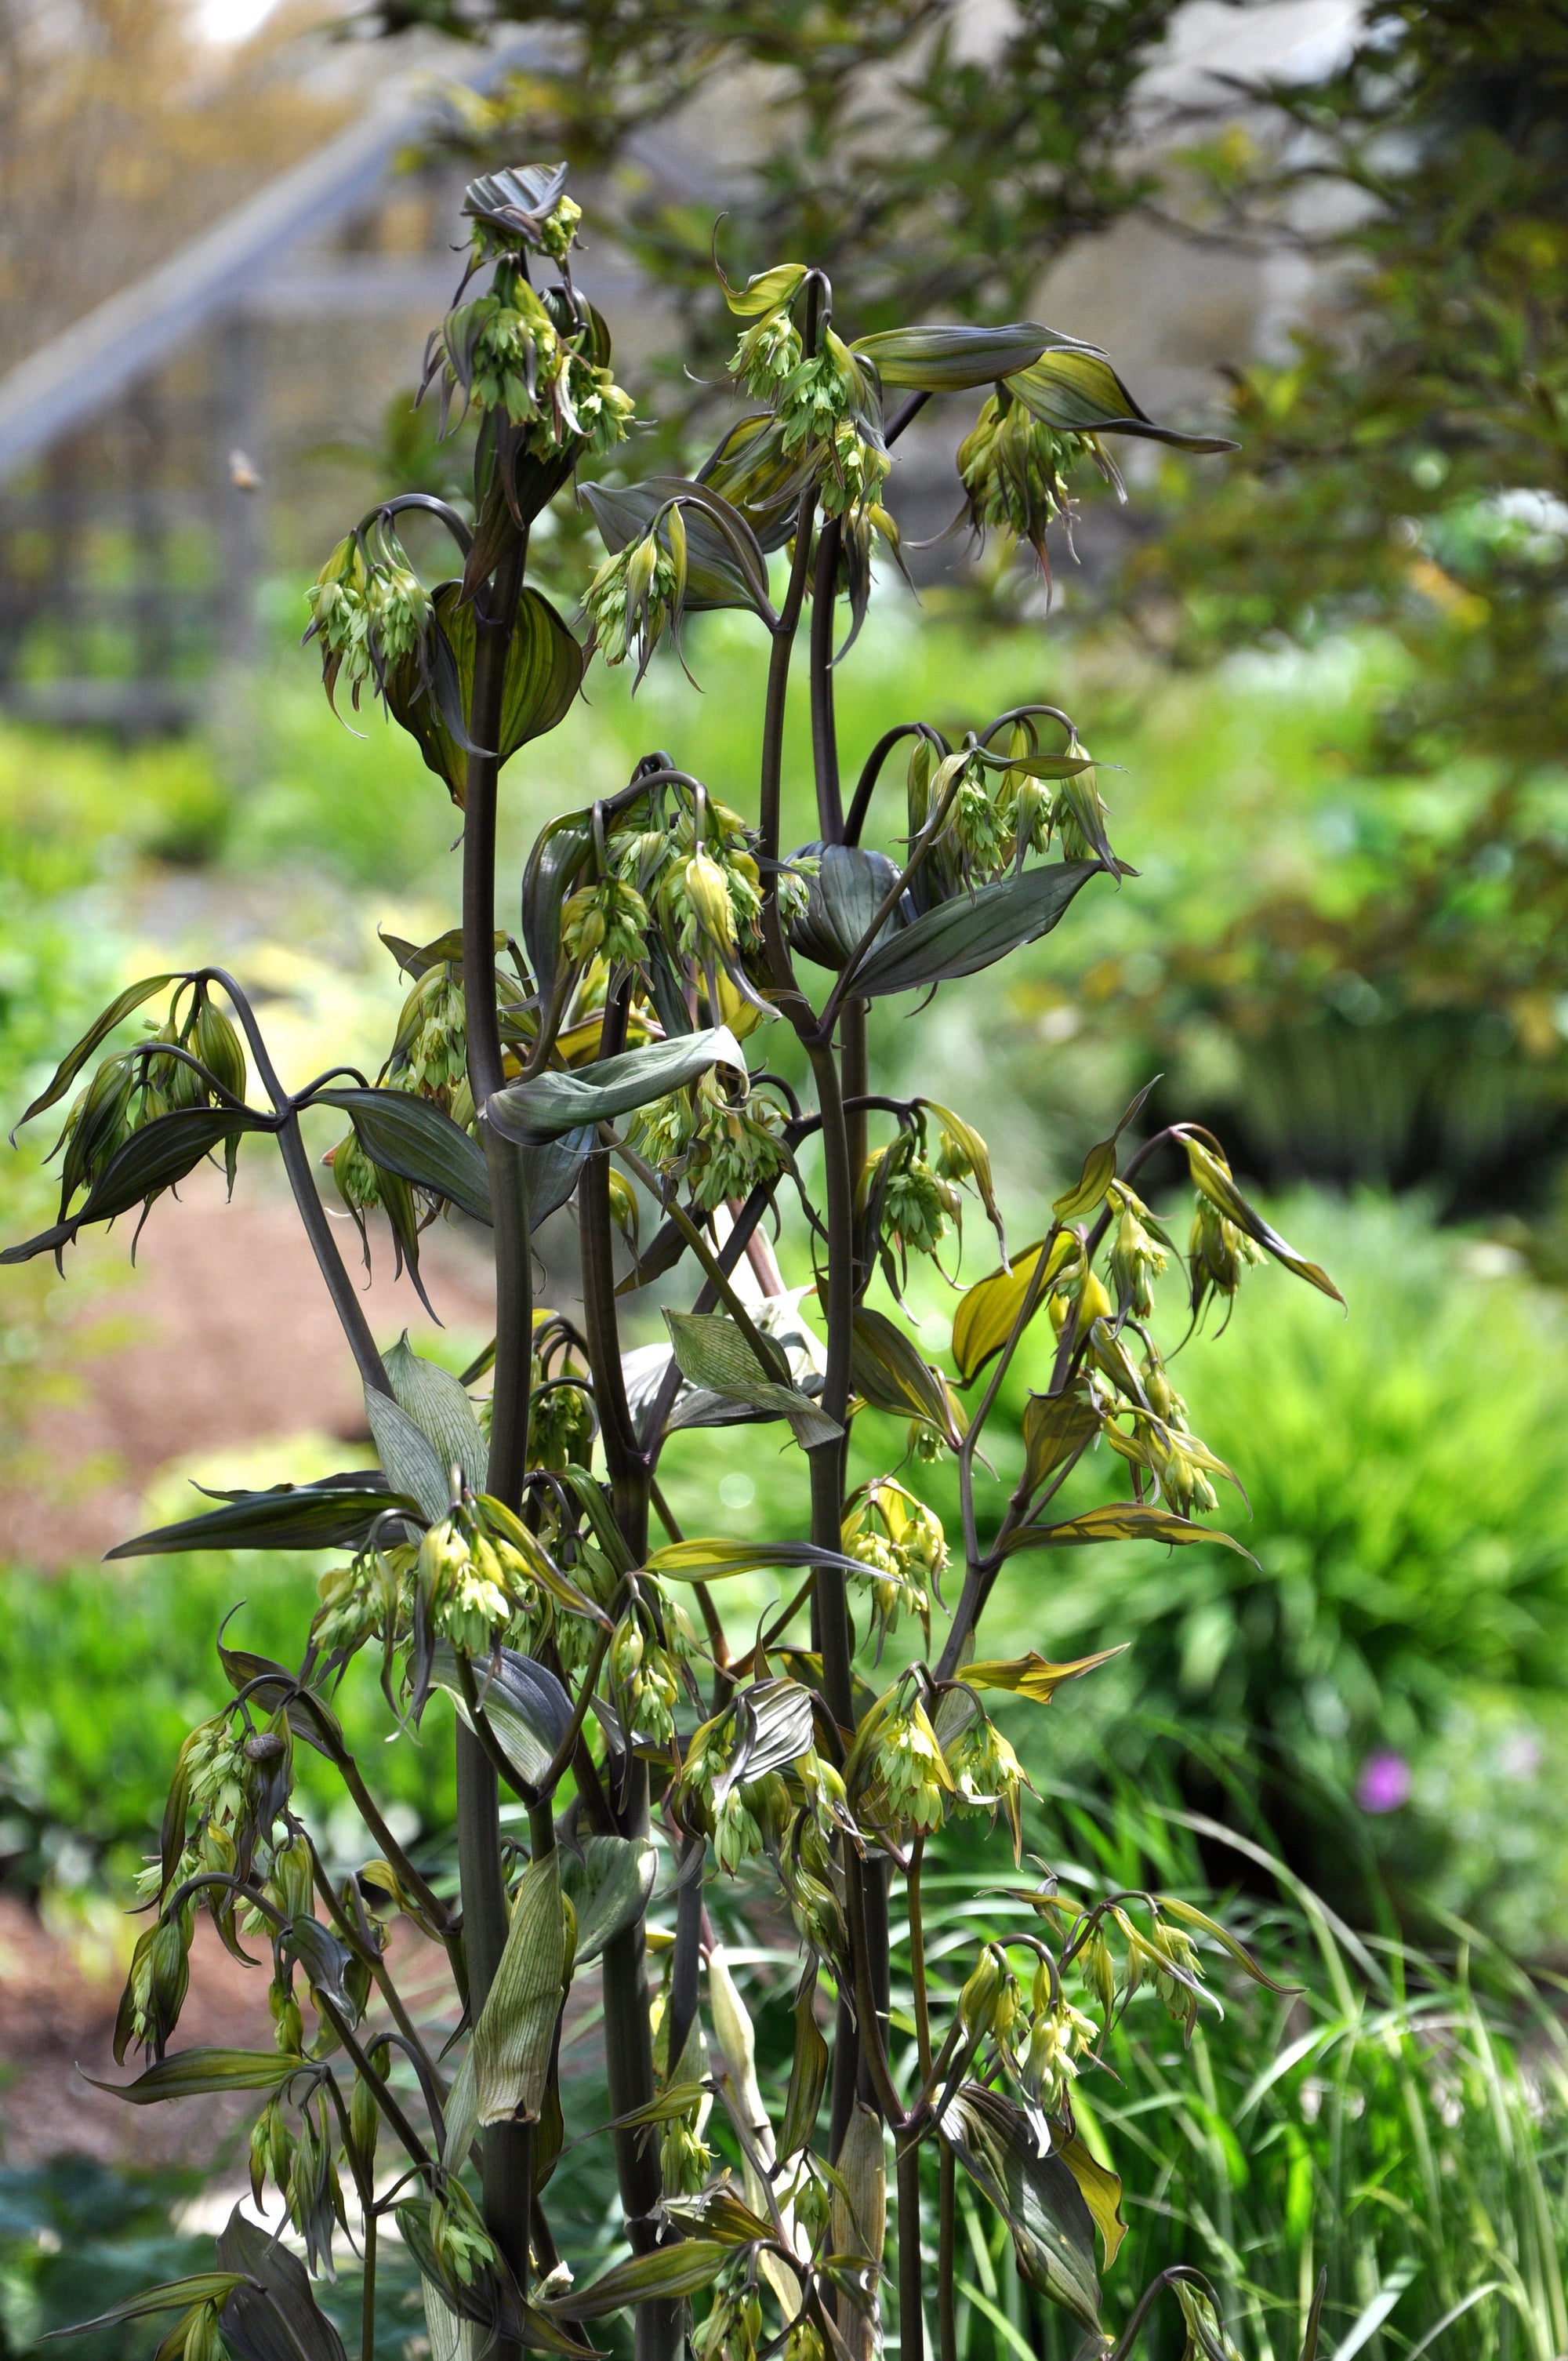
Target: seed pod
pixel 97 1125
pixel 365 2120
pixel 272 2150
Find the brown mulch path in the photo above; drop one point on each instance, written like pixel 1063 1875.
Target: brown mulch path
pixel 223 1335
pixel 229 1337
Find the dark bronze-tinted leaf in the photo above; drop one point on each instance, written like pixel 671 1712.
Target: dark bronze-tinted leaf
pixel 724 565
pixel 961 935
pixel 1074 389
pixel 1053 2229
pixel 523 1702
pixel 279 2320
pixel 153 1158
pixel 844 897
pixel 414 1138
pixel 948 359
pixel 336 1513
pixel 559 851
pixel 887 1371
pixel 70 1065
pixel 544 672
pixel 555 1103
pixel 1057 1427
pixel 807 2074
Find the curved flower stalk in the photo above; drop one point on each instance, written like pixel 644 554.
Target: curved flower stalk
pixel 513 1549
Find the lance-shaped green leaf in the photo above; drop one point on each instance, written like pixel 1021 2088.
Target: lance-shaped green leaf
pixel 555 1103
pixel 887 1371
pixel 1032 1676
pixel 97 1033
pixel 1053 2229
pixel 516 2029
pixel 859 2224
pixel 1213 1179
pixel 950 359
pixel 414 1467
pixel 1191 1915
pixel 442 1413
pixel 543 673
pixel 190 2072
pixel 155 1157
pixel 970 932
pixel 969 1140
pixel 719 2214
pixel 174 2295
pixel 712 1353
pixel 807 2074
pixel 277 2318
pixel 412 1137
pixel 724 562
pixel 1074 389
pixel 668 2273
pixel 336 1512
pixel 524 1704
pixel 1115 1520
pixel 709 1558
pixel 608 1884
pixel 559 851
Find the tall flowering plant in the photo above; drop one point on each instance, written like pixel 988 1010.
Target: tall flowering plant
pixel 513 1549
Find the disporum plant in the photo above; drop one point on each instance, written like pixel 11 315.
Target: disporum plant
pixel 514 1549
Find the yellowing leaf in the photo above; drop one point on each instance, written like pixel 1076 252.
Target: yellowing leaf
pixel 1031 1675
pixel 1101 2190
pixel 1117 1520
pixel 1056 1427
pixel 983 1321
pixel 516 2029
pixel 1099 1171
pixel 1212 1176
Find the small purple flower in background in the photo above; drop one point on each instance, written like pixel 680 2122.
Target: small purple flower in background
pixel 1384 1783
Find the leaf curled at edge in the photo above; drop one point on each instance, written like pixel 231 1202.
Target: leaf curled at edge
pixel 534 1112
pixel 1053 2229
pixel 1099 2187
pixel 543 673
pixel 669 2271
pixel 1032 1675
pixel 983 1321
pixel 1214 1181
pixel 1117 1520
pixel 70 1065
pixel 190 2074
